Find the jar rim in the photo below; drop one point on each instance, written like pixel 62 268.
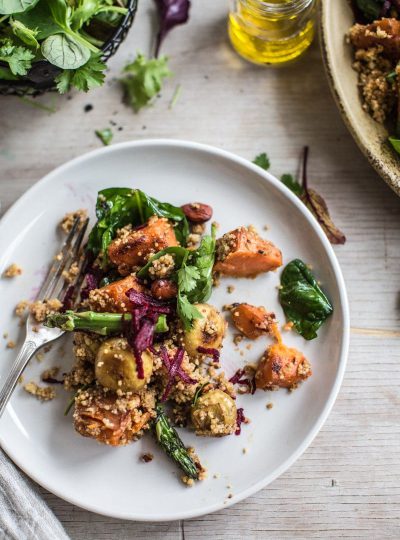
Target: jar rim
pixel 285 7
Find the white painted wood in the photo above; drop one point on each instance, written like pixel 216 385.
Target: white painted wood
pixel 347 484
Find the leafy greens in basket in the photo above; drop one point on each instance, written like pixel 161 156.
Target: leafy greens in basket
pixel 42 38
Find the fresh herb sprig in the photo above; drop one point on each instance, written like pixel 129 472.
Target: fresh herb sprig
pixel 193 274
pixel 143 79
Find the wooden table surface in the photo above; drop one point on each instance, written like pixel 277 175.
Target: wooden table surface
pixel 347 484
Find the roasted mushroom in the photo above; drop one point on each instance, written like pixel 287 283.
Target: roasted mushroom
pixel 214 414
pixel 116 368
pixel 207 332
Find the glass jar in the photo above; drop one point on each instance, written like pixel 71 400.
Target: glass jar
pixel 273 32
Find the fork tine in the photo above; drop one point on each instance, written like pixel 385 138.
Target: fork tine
pixel 59 264
pixel 74 258
pixel 60 285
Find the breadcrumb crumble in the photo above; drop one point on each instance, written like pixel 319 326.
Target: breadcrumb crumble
pixel 12 271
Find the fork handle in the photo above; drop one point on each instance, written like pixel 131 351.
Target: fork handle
pixel 28 349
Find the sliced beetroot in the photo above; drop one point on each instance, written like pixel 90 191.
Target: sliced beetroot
pixel 238 378
pixel 214 353
pixel 240 418
pixel 174 369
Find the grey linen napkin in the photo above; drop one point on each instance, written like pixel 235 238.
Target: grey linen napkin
pixel 23 513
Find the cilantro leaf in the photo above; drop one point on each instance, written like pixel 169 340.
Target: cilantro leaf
pixel 143 80
pixel 292 184
pixel 88 76
pixel 187 312
pixel 262 160
pixel 18 58
pixel 187 276
pixel 193 273
pixel 105 135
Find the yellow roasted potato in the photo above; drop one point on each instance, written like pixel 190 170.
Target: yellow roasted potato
pixel 115 366
pixel 207 332
pixel 214 414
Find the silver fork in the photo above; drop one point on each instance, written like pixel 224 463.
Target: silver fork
pixel 54 286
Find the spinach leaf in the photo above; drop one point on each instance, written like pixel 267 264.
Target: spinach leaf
pixel 64 52
pixel 371 9
pixel 302 299
pixel 116 207
pixel 8 7
pixel 41 19
pixel 193 274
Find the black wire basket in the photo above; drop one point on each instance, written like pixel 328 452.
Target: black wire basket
pixel 40 78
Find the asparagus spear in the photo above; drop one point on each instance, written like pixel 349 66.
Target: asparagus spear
pixel 104 324
pixel 172 445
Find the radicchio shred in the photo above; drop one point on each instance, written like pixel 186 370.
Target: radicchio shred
pixel 139 331
pixel 174 369
pixel 214 353
pixel 238 378
pixel 240 418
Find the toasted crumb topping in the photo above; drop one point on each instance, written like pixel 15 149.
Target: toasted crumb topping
pixel 11 344
pixel 162 267
pixel 21 308
pixel 12 271
pixel 70 274
pixel 40 310
pixel 69 219
pixel 40 392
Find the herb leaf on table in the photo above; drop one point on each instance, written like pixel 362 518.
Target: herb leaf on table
pixel 262 160
pixel 105 135
pixel 171 13
pixel 314 202
pixel 302 299
pixel 143 80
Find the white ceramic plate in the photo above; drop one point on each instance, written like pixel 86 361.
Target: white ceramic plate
pixel 115 482
pixel 336 18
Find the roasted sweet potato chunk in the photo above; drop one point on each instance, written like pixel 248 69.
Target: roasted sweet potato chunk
pixel 133 249
pixel 282 367
pixel 385 32
pixel 112 297
pixel 107 418
pixel 253 321
pixel 243 253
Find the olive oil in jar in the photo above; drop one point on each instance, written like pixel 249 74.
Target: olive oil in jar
pixel 273 32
